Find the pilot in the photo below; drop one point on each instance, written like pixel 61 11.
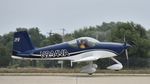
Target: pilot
pixel 82 44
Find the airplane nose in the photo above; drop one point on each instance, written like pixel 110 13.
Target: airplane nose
pixel 127 46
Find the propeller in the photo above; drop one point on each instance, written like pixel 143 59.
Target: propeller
pixel 126 52
pixel 126 45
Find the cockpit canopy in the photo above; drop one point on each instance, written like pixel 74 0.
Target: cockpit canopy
pixel 83 42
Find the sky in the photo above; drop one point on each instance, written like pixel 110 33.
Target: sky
pixel 53 15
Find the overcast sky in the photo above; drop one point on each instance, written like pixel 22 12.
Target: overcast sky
pixel 70 14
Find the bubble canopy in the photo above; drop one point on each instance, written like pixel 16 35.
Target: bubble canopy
pixel 87 41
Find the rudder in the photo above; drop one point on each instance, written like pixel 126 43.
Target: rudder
pixel 21 42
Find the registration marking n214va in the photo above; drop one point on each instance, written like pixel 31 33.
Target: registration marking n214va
pixel 54 53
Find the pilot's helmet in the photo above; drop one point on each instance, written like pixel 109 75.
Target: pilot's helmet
pixel 82 41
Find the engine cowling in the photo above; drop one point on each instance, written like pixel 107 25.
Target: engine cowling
pixel 115 67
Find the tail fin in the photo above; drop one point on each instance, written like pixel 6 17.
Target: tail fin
pixel 21 42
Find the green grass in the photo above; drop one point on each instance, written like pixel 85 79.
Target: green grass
pixel 37 70
pixel 76 70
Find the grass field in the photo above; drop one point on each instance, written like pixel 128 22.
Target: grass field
pixel 76 70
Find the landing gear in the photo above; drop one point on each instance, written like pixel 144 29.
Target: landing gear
pixel 90 68
pixel 118 66
pixel 116 70
pixel 90 73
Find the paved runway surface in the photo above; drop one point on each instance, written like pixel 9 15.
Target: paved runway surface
pixel 75 79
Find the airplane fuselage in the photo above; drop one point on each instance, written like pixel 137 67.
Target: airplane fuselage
pixel 64 50
pixel 83 49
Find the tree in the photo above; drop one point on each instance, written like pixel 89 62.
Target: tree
pixel 148 34
pixel 4 56
pixel 36 36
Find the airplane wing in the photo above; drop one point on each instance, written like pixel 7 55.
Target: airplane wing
pixel 94 55
pixel 91 58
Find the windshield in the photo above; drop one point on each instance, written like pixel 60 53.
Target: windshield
pixel 83 42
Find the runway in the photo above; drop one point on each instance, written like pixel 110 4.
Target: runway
pixel 75 79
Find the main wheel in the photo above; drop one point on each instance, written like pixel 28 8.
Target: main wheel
pixel 90 73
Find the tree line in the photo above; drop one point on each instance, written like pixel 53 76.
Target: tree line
pixel 139 54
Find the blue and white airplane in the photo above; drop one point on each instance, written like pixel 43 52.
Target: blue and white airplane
pixel 83 49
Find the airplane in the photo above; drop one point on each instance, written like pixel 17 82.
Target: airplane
pixel 83 49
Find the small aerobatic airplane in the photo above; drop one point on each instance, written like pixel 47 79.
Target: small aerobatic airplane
pixel 83 49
